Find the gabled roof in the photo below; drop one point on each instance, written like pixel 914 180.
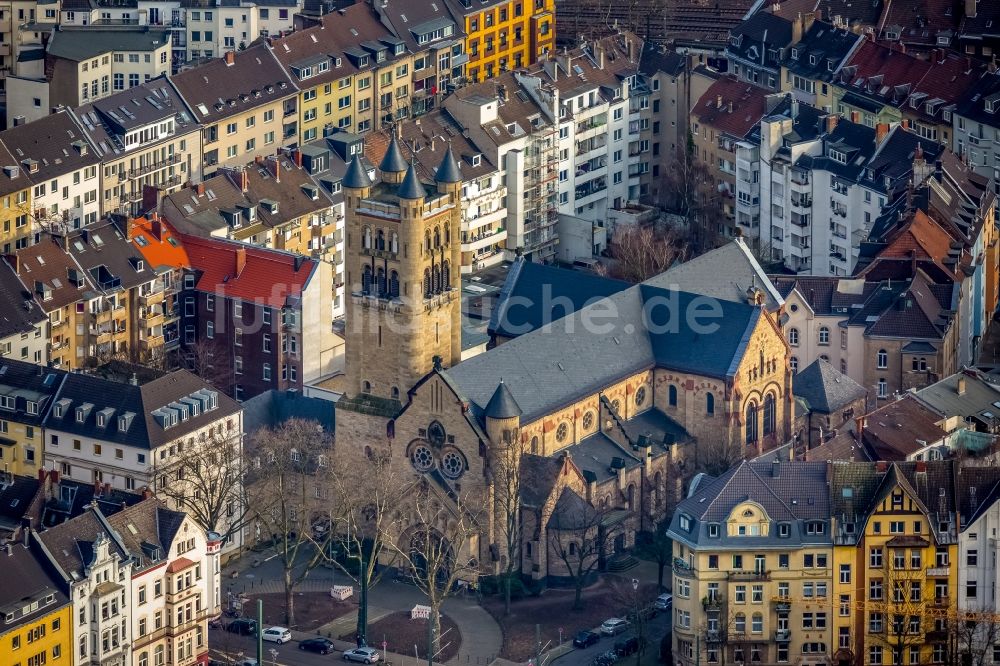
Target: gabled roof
pixel 821 51
pixel 217 89
pixel 900 429
pixel 731 106
pixel 70 545
pixel 215 262
pixel 50 274
pixel 27 586
pixel 158 243
pixel 539 476
pixel 19 313
pixel 755 38
pixel 148 523
pixel 49 143
pixel 978 401
pixel 557 363
pixel 826 389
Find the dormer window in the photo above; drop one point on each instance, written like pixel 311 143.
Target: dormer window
pixel 81 414
pixel 713 530
pixel 812 60
pixel 795 54
pixel 837 155
pixel 7 402
pixel 476 159
pixel 399 49
pixel 32 407
pixel 101 420
pixel 363 61
pixel 990 106
pixel 815 527
pixel 784 530
pixel 685 522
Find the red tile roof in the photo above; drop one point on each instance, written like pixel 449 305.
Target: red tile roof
pixel 158 243
pixel 742 106
pixel 922 235
pixel 180 564
pixel 267 276
pixel 895 66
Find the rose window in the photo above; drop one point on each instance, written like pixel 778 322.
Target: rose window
pixel 422 458
pixel 452 465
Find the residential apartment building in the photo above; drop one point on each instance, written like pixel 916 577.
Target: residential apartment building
pixel 752 560
pixel 666 75
pixel 814 60
pixel 895 542
pixel 83 65
pixel 16 213
pixel 56 157
pixel 147 142
pixel 156 242
pixel 36 625
pixel 261 315
pixel 502 35
pixel 721 121
pixel 122 429
pixel 758 45
pixel 245 104
pixel 355 80
pixel 23 323
pixel 976 127
pixel 273 203
pixel 28 390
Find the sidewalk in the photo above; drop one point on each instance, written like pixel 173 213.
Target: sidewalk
pixel 481 636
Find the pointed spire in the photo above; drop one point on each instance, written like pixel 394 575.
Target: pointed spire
pixel 448 171
pixel 411 188
pixel 393 162
pixel 502 405
pixel 357 175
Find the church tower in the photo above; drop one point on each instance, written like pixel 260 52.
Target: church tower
pixel 402 257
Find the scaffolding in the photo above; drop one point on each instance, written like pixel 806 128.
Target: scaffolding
pixel 541 195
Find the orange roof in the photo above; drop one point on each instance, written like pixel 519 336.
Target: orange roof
pixel 180 564
pixel 158 242
pixel 922 235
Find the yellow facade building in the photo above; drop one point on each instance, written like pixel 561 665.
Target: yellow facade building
pixel 504 35
pixel 35 619
pixel 16 223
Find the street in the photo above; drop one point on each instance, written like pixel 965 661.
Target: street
pixel 655 630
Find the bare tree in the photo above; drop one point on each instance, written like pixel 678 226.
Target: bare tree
pixel 434 540
pixel 657 547
pixel 359 523
pixel 210 360
pixel 206 481
pixel 716 455
pixel 579 538
pixel 288 494
pixel 640 252
pixel 505 472
pixel 637 601
pixel 906 596
pixel 971 636
pixel 690 192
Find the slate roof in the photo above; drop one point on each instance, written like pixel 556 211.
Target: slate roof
pixel 725 273
pixel 357 174
pixel 821 45
pixel 657 58
pixel 790 492
pixel 272 408
pixel 96 394
pixel 972 104
pixel 538 478
pixel 528 286
pixel 826 389
pixel 49 142
pixel 19 313
pixel 16 496
pixel 900 429
pixel 108 258
pixel 411 188
pixel 755 38
pixel 448 171
pixel 742 106
pixel 46 269
pixel 502 405
pixel 26 581
pixel 70 545
pixel 9 185
pixel 147 523
pixel 980 401
pixel 393 160
pixel 214 260
pixel 71 498
pixel 216 90
pixel 26 382
pixel 572 512
pixel 81 44
pixel 554 365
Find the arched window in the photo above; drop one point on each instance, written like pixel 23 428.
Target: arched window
pixel 394 243
pixel 144 659
pixel 368 238
pixel 672 395
pixel 751 424
pixel 394 392
pixel 883 388
pixel 710 403
pixel 769 413
pixel 380 284
pixel 437 280
pixel 427 239
pixel 631 498
pixel 824 335
pixel 380 240
pixel 793 363
pixel 158 656
pixel 882 359
pixel 366 386
pixel 534 444
pixel 572 548
pixel 527 550
pixel 427 282
pixel 761 363
pixel 394 285
pixel 793 337
pixel 843 366
pixel 437 237
pixel 445 276
pixel 447 235
pixel 366 280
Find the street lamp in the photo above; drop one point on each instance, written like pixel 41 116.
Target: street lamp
pixel 638 622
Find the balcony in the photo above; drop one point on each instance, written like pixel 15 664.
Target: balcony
pixel 155 166
pixel 802 202
pixel 938 572
pixel 473 243
pixel 782 635
pixel 750 575
pixel 713 636
pixel 800 178
pixel 782 604
pixel 711 603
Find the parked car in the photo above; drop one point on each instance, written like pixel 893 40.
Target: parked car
pixel 365 655
pixel 246 661
pixel 614 626
pixel 585 639
pixel 277 635
pixel 243 627
pixel 626 647
pixel 319 645
pixel 664 602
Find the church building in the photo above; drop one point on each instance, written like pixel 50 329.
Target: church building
pixel 611 406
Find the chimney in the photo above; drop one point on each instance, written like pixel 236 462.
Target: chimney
pixel 730 107
pixel 129 227
pixel 298 158
pixel 146 493
pixel 831 122
pixel 26 530
pixel 718 101
pixel 960 386
pixel 230 58
pixel 881 131
pixel 244 181
pixel 199 189
pixel 970 8
pixel 157 227
pixel 881 467
pixel 277 168
pixel 97 489
pixel 258 159
pixel 42 473
pixel 938 170
pixel 241 260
